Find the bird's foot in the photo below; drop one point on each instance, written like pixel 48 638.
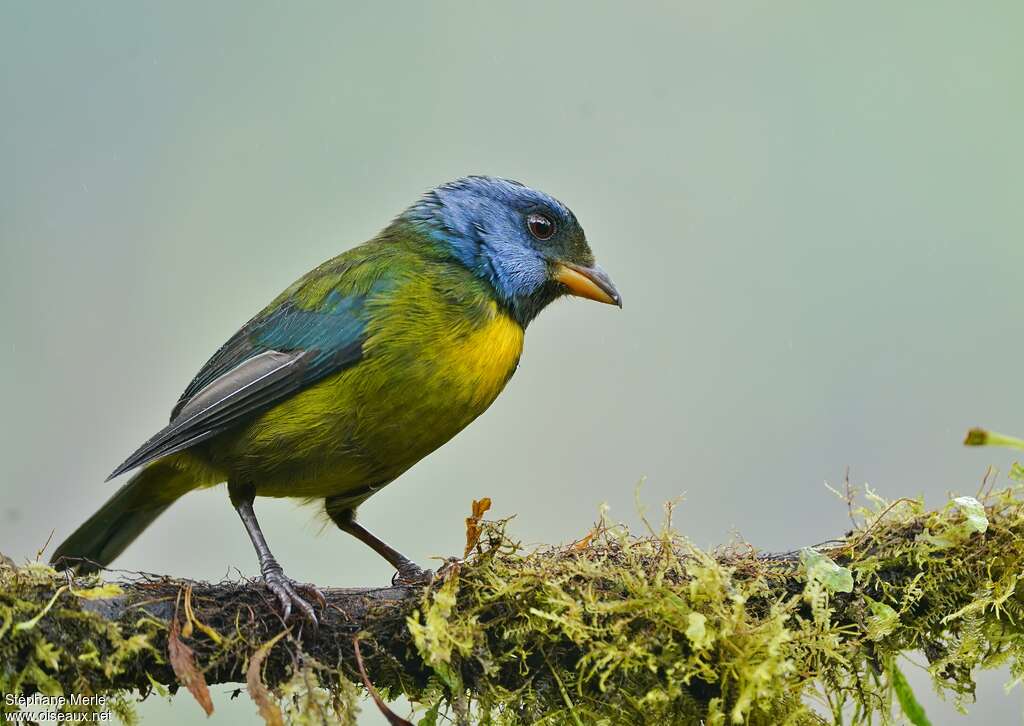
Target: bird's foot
pixel 411 574
pixel 287 592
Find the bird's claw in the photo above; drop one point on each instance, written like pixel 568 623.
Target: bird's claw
pixel 287 592
pixel 412 575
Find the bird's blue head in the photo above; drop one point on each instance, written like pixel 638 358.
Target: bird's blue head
pixel 526 244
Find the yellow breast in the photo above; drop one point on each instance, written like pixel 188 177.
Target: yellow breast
pixel 481 362
pixel 427 372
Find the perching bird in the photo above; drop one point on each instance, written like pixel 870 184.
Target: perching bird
pixel 358 370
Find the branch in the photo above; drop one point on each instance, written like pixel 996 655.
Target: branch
pixel 616 627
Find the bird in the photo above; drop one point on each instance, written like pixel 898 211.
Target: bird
pixel 357 371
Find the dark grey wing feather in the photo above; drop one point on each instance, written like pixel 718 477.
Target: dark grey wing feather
pixel 240 347
pixel 245 389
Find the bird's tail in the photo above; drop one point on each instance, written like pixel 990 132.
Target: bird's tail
pixel 133 507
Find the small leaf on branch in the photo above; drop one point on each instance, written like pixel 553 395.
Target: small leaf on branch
pixel 258 692
pixel 183 663
pixel 823 569
pixel 473 523
pixel 974 512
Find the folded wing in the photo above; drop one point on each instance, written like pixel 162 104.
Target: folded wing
pixel 278 353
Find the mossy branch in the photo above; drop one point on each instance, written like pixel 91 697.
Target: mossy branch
pixel 612 629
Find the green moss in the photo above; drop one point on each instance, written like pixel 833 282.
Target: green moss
pixel 653 630
pixel 50 645
pixel 617 629
pixel 33 658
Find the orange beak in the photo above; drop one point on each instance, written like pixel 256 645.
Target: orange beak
pixel 589 282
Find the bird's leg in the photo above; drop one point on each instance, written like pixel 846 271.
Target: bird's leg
pixel 284 588
pixel 408 572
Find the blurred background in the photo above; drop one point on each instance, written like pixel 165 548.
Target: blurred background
pixel 814 215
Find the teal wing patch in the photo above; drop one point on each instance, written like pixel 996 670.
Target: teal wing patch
pixel 279 352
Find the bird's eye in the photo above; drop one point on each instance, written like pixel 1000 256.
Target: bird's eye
pixel 541 226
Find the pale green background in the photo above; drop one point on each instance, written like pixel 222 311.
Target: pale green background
pixel 813 210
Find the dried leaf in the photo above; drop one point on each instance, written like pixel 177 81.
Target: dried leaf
pixel 583 543
pixel 393 718
pixel 183 663
pixel 186 630
pixel 258 692
pixel 473 523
